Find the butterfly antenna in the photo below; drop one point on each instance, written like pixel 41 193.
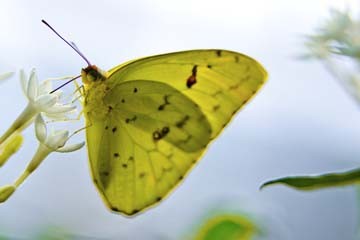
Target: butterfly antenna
pixel 72 45
pixel 62 85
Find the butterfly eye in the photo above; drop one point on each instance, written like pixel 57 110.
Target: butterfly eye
pixel 92 74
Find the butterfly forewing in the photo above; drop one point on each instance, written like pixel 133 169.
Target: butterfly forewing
pixel 219 81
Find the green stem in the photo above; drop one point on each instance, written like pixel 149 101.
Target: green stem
pixel 20 123
pixel 41 153
pixel 22 178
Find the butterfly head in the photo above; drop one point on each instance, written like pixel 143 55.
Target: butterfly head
pixel 92 74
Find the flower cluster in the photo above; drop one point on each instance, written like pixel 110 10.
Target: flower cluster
pixel 337 45
pixel 40 101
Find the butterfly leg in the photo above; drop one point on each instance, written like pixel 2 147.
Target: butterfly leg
pixel 81 129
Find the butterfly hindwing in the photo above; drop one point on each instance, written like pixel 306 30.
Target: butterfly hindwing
pixel 149 139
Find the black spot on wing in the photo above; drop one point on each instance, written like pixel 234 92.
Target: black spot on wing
pixel 133 119
pixel 166 102
pixel 216 107
pixel 165 131
pixel 159 134
pixel 194 70
pixel 192 79
pixel 156 135
pixel 182 122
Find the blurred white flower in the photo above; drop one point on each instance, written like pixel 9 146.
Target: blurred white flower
pixel 317 47
pixel 40 100
pixel 337 45
pixel 340 34
pixel 336 27
pixel 350 45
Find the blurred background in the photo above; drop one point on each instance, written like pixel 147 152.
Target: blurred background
pixel 301 122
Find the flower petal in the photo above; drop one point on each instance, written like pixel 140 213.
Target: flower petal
pixel 40 128
pixel 23 81
pixel 45 87
pixel 61 109
pixel 32 89
pixel 71 148
pixel 58 116
pixel 58 93
pixel 44 102
pixel 57 139
pixel 6 75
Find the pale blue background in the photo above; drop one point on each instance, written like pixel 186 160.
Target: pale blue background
pixel 301 122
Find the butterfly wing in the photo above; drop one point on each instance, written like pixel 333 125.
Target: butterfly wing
pixel 219 81
pixel 162 113
pixel 138 153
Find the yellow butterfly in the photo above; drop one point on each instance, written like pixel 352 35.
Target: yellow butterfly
pixel 149 120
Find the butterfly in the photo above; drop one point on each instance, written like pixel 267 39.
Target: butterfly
pixel 149 121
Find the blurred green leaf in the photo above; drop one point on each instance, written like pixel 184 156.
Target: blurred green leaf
pixel 227 227
pixel 319 181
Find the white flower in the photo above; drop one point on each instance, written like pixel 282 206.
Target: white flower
pixel 7 75
pixel 56 140
pixel 48 143
pixel 40 100
pixel 39 96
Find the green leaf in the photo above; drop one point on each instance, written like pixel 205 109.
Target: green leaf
pixel 227 227
pixel 319 181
